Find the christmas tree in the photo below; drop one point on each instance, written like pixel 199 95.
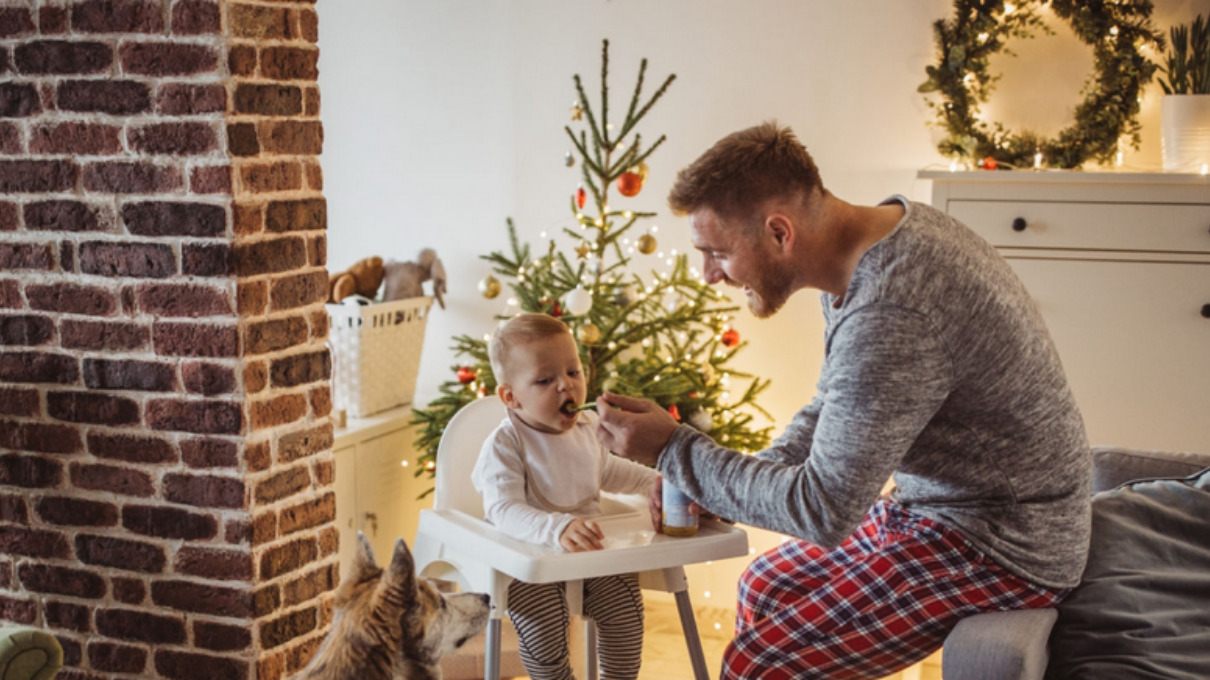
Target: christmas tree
pixel 664 337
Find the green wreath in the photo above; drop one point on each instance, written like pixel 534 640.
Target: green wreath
pixel 1114 29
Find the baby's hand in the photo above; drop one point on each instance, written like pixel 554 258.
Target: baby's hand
pixel 581 535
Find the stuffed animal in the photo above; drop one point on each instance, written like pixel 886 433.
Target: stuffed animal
pixel 406 279
pixel 363 278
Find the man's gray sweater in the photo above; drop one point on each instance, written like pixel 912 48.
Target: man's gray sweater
pixel 939 370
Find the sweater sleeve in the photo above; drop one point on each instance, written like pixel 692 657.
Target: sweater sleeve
pixel 886 377
pixel 499 477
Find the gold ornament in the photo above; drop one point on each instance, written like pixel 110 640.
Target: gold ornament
pixel 589 334
pixel 583 250
pixel 489 287
pixel 569 160
pixel 648 244
pixel 640 170
pixel 577 112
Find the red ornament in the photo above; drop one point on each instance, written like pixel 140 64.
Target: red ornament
pixel 630 183
pixel 989 163
pixel 553 307
pixel 466 375
pixel 581 197
pixel 730 337
pixel 674 412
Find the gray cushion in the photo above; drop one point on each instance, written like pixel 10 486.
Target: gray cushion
pixel 1142 609
pixel 998 646
pixel 1112 466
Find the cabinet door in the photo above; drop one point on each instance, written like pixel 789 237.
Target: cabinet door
pixel 1134 345
pixel 380 491
pixel 346 505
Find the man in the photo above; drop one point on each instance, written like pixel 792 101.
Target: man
pixel 938 370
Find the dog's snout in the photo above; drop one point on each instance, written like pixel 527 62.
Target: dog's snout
pixel 487 599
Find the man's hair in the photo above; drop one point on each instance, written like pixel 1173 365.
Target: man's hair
pixel 519 331
pixel 745 169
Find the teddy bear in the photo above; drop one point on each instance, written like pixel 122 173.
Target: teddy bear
pixel 362 278
pixel 405 279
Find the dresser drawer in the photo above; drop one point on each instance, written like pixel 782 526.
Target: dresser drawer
pixel 1156 227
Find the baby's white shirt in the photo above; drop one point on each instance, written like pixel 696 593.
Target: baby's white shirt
pixel 534 483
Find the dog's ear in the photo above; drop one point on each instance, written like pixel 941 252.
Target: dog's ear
pixel 364 565
pixel 402 572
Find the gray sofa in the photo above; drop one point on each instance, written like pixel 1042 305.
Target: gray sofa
pixel 1014 645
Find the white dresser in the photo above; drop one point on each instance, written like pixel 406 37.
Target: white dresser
pixel 1119 264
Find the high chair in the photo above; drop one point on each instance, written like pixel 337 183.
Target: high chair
pixel 455 542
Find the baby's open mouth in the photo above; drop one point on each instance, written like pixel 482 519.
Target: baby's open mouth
pixel 569 407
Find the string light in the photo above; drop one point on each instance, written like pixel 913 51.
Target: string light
pixel 403 463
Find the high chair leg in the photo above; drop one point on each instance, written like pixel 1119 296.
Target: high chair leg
pixel 491 650
pixel 692 641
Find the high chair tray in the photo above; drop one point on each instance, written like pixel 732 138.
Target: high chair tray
pixel 629 541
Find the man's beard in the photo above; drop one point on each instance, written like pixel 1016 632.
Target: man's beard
pixel 769 294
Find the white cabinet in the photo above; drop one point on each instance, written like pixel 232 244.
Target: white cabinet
pixel 375 492
pixel 1119 265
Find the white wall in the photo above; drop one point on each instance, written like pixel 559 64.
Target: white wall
pixel 442 117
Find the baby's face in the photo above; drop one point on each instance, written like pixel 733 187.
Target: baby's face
pixel 544 376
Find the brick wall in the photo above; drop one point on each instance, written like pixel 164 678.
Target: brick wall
pixel 165 450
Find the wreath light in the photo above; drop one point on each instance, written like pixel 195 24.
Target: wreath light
pixel 1115 29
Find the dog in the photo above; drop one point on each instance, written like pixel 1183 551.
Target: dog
pixel 392 624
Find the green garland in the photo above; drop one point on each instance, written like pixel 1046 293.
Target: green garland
pixel 1114 29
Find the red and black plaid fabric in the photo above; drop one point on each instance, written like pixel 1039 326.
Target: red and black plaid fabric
pixel 881 601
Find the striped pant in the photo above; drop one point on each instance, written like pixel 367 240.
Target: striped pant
pixel 539 613
pixel 881 601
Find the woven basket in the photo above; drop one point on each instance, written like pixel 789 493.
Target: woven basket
pixel 376 353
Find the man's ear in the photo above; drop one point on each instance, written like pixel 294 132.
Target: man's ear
pixel 779 228
pixel 505 392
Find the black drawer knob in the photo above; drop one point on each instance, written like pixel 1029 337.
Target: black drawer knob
pixel 1019 224
pixel 1206 310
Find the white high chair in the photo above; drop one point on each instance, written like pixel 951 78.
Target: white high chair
pixel 455 542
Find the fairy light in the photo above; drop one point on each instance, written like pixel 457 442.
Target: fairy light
pixel 1113 30
pixel 706 594
pixel 751 550
pixel 1038 161
pixel 953 166
pixel 983 37
pixel 542 234
pixel 628 214
pixel 968 79
pixel 512 302
pixel 1205 169
pixel 654 228
pixel 487 337
pixel 1009 8
pixel 718 626
pixel 403 463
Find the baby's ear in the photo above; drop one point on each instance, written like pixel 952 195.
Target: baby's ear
pixel 505 392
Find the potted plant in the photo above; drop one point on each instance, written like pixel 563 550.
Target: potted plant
pixel 1185 112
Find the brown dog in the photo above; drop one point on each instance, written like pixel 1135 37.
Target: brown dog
pixel 391 624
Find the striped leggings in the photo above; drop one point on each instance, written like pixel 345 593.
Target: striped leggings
pixel 539 613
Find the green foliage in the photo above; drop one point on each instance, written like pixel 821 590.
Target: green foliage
pixel 1187 62
pixel 661 336
pixel 1109 110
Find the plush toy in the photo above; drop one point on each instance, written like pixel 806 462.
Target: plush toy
pixel 363 278
pixel 406 279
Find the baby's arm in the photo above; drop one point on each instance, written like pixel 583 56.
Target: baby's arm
pixel 500 478
pixel 619 475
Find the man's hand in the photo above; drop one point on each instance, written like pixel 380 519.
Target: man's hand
pixel 581 535
pixel 637 429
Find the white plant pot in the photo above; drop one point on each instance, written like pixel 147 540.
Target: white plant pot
pixel 1185 123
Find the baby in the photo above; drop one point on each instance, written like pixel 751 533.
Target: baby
pixel 541 473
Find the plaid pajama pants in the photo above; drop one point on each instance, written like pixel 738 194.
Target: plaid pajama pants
pixel 881 601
